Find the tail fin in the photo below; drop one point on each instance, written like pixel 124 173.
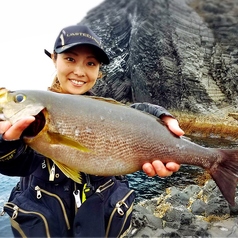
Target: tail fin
pixel 225 174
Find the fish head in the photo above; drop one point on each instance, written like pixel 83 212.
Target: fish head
pixel 15 105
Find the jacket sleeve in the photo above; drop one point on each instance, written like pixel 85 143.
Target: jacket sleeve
pixel 152 109
pixel 16 158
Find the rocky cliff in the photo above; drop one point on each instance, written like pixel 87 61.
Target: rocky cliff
pixel 179 54
pixel 183 55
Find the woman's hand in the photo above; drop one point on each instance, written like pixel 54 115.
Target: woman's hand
pixel 157 167
pixel 13 132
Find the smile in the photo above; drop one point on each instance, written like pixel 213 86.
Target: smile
pixel 78 83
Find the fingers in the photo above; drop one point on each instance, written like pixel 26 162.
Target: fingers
pixel 148 169
pixel 171 166
pixel 14 132
pixel 161 169
pixel 4 126
pixel 173 125
pixel 158 168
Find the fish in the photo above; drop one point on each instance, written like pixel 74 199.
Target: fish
pixel 101 136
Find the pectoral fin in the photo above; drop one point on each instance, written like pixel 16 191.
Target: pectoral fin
pixel 56 138
pixel 68 172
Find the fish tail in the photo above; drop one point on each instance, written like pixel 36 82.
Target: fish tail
pixel 225 173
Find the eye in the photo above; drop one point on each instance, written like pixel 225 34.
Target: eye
pixel 70 59
pixel 91 64
pixel 20 98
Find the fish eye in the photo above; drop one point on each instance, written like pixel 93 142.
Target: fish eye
pixel 20 98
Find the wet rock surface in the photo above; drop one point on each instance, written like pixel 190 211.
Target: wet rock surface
pixel 195 211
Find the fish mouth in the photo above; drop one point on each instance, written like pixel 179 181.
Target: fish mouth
pixel 36 126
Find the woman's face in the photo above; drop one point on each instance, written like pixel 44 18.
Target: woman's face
pixel 77 69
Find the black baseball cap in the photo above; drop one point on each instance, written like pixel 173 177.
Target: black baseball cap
pixel 79 35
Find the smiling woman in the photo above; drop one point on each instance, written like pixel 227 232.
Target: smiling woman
pixel 24 65
pixel 76 59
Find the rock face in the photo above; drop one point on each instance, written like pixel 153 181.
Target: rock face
pixel 190 212
pixel 182 55
pixel 179 54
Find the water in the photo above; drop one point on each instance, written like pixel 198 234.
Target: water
pixel 144 186
pixel 6 185
pixel 150 187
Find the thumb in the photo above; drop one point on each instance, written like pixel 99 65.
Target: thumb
pixel 14 132
pixel 173 126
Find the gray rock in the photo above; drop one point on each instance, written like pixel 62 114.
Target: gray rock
pixel 192 190
pixel 210 217
pixel 198 207
pixel 217 206
pixel 178 54
pixel 179 197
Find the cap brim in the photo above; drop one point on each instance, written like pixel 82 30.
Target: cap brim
pixel 100 53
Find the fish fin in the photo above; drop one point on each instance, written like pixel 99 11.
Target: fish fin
pixel 68 172
pixel 109 100
pixel 225 173
pixel 56 138
pixel 186 138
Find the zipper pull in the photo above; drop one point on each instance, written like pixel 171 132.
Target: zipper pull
pixel 15 213
pixel 76 194
pixel 52 173
pixel 118 206
pixel 38 192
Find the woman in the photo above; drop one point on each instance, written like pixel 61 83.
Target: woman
pixel 45 202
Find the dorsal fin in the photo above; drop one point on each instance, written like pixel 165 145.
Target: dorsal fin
pixel 109 100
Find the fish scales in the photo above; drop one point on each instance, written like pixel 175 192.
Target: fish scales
pixel 134 137
pixel 104 137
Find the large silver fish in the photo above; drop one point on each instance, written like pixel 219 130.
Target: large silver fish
pixel 102 137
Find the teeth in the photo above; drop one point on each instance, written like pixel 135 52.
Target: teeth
pixel 77 82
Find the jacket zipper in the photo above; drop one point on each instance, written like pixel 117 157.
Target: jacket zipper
pixel 120 211
pixel 51 170
pixel 105 186
pixel 16 210
pixel 39 195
